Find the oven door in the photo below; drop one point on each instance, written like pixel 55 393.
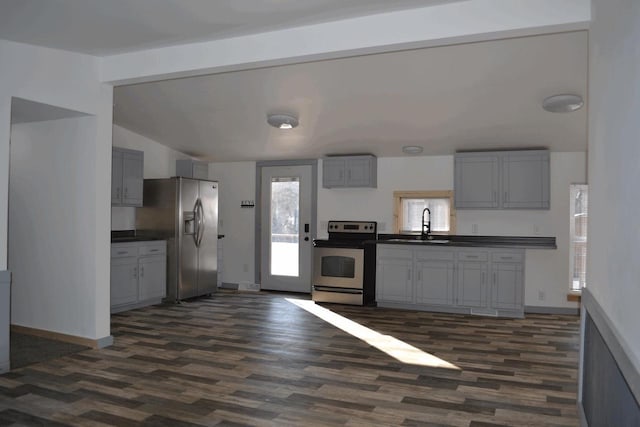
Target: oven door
pixel 338 267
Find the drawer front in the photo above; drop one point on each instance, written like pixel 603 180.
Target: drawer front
pixel 434 254
pixel 507 257
pixel 124 250
pixel 395 251
pixel 473 256
pixel 155 248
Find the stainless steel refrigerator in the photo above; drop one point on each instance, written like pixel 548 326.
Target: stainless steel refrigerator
pixel 184 212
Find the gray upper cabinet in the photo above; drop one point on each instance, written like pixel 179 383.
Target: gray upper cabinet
pixel 350 171
pixel 127 167
pixel 476 181
pixel 525 180
pixel 502 180
pixel 189 168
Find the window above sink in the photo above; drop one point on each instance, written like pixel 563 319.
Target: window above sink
pixel 408 207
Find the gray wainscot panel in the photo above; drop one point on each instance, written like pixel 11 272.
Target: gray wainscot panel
pixel 609 377
pixel 5 319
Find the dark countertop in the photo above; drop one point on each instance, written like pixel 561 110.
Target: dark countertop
pixel 469 241
pixel 126 236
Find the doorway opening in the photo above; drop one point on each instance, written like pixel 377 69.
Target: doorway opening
pixel 49 191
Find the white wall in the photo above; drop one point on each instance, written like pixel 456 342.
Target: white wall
pixel 69 81
pixel 159 162
pixel 237 182
pixel 48 227
pixel 613 270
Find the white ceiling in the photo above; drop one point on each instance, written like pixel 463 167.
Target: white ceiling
pixel 471 96
pixel 106 27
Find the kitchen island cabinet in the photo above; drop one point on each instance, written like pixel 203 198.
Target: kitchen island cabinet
pixel 484 281
pixel 138 274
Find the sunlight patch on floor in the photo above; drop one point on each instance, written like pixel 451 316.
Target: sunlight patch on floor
pixel 394 347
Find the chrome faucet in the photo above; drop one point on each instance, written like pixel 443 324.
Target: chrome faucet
pixel 426 225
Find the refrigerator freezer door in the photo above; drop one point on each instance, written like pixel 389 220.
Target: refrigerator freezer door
pixel 188 252
pixel 208 250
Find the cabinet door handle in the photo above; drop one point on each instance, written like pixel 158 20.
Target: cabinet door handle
pixel 154 250
pixel 494 278
pixel 126 192
pixel 142 271
pixel 506 196
pixel 135 272
pixel 419 275
pixel 408 274
pixel 349 174
pixel 495 196
pixel 117 192
pixel 483 279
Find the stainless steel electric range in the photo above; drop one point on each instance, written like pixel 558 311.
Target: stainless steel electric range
pixel 344 265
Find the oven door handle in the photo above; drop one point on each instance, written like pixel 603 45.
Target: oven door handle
pixel 337 290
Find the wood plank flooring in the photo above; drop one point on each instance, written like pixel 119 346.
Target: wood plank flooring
pixel 256 359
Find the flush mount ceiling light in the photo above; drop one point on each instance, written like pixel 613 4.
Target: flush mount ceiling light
pixel 564 103
pixel 282 121
pixel 412 149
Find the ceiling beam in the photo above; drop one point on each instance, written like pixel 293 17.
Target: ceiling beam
pixel 464 21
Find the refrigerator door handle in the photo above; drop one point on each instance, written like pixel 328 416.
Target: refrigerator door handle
pixel 196 223
pixel 202 225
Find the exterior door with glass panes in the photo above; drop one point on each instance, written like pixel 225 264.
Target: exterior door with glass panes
pixel 285 226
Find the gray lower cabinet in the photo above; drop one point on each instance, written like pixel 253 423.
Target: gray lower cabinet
pixel 434 277
pixel 482 281
pixel 127 176
pixel 138 274
pixel 349 171
pixel 507 281
pixel 395 270
pixel 502 180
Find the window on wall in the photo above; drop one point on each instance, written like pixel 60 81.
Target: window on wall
pixel 409 205
pixel 579 204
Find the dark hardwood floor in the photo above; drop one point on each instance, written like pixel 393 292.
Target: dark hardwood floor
pixel 257 359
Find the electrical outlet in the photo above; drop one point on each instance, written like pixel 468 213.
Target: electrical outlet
pixel 382 226
pixel 540 295
pixel 536 229
pixel 245 268
pixel 474 228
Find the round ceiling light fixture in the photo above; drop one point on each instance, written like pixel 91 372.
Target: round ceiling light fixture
pixel 282 121
pixel 564 103
pixel 412 149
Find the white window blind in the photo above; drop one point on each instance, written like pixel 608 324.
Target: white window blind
pixel 412 209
